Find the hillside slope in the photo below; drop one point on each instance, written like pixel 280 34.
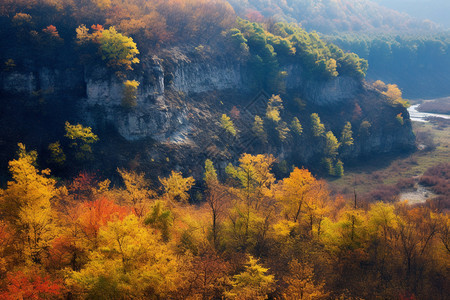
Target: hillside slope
pixel 329 16
pixel 418 63
pixel 174 104
pixel 436 11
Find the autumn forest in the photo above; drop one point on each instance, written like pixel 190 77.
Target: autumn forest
pixel 251 237
pixel 137 162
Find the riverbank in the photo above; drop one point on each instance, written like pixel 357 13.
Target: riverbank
pixel 422 110
pixel 389 173
pixel 436 106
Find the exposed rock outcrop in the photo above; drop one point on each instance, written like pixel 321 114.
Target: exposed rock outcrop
pixel 180 101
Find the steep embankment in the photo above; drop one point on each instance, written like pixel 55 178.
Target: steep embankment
pixel 173 105
pixel 178 112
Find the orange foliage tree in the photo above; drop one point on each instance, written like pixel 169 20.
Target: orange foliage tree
pixel 31 286
pixel 98 213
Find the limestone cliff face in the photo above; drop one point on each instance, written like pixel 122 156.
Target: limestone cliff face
pixel 199 77
pixel 19 83
pixel 57 81
pixel 172 106
pixel 157 117
pixel 321 92
pixel 152 117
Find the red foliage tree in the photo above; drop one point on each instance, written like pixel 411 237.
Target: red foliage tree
pixel 98 29
pixel 33 287
pixel 254 16
pixel 98 213
pixel 82 186
pixel 235 113
pixel 357 112
pixel 51 30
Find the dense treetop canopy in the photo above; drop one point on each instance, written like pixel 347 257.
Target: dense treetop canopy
pixel 121 30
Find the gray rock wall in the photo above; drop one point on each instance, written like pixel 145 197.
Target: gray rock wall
pixel 159 117
pixel 321 92
pixel 19 83
pixel 153 116
pixel 199 77
pixel 55 81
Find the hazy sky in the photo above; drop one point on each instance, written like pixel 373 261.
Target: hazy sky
pixel 437 11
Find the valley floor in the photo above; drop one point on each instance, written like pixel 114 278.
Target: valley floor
pixel 433 148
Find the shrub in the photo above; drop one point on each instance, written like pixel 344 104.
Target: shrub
pixel 438 178
pixel 425 140
pixel 227 124
pixel 339 169
pixel 385 193
pixel 119 50
pixel 130 93
pixel 318 128
pixel 406 183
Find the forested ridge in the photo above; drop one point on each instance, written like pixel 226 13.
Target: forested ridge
pixel 75 38
pixel 400 49
pixel 418 63
pixel 328 16
pixel 420 9
pixel 51 26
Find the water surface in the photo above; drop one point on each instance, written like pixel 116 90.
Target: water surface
pixel 419 116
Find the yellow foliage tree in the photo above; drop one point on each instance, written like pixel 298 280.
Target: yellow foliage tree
pixel 316 206
pixel 130 93
pixel 294 191
pixel 393 92
pixel 274 107
pixel 332 145
pixel 252 283
pixel 26 204
pixel 82 138
pixel 130 262
pixel 176 187
pixel 254 173
pixel 300 283
pixel 318 128
pixel 251 214
pixel 258 129
pixel 216 198
pixel 137 192
pixel 119 50
pixel 227 124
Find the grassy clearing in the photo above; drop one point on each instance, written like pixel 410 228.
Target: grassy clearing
pixel 390 169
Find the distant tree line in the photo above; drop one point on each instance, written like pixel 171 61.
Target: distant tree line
pixel 417 63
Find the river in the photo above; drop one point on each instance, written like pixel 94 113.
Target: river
pixel 419 116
